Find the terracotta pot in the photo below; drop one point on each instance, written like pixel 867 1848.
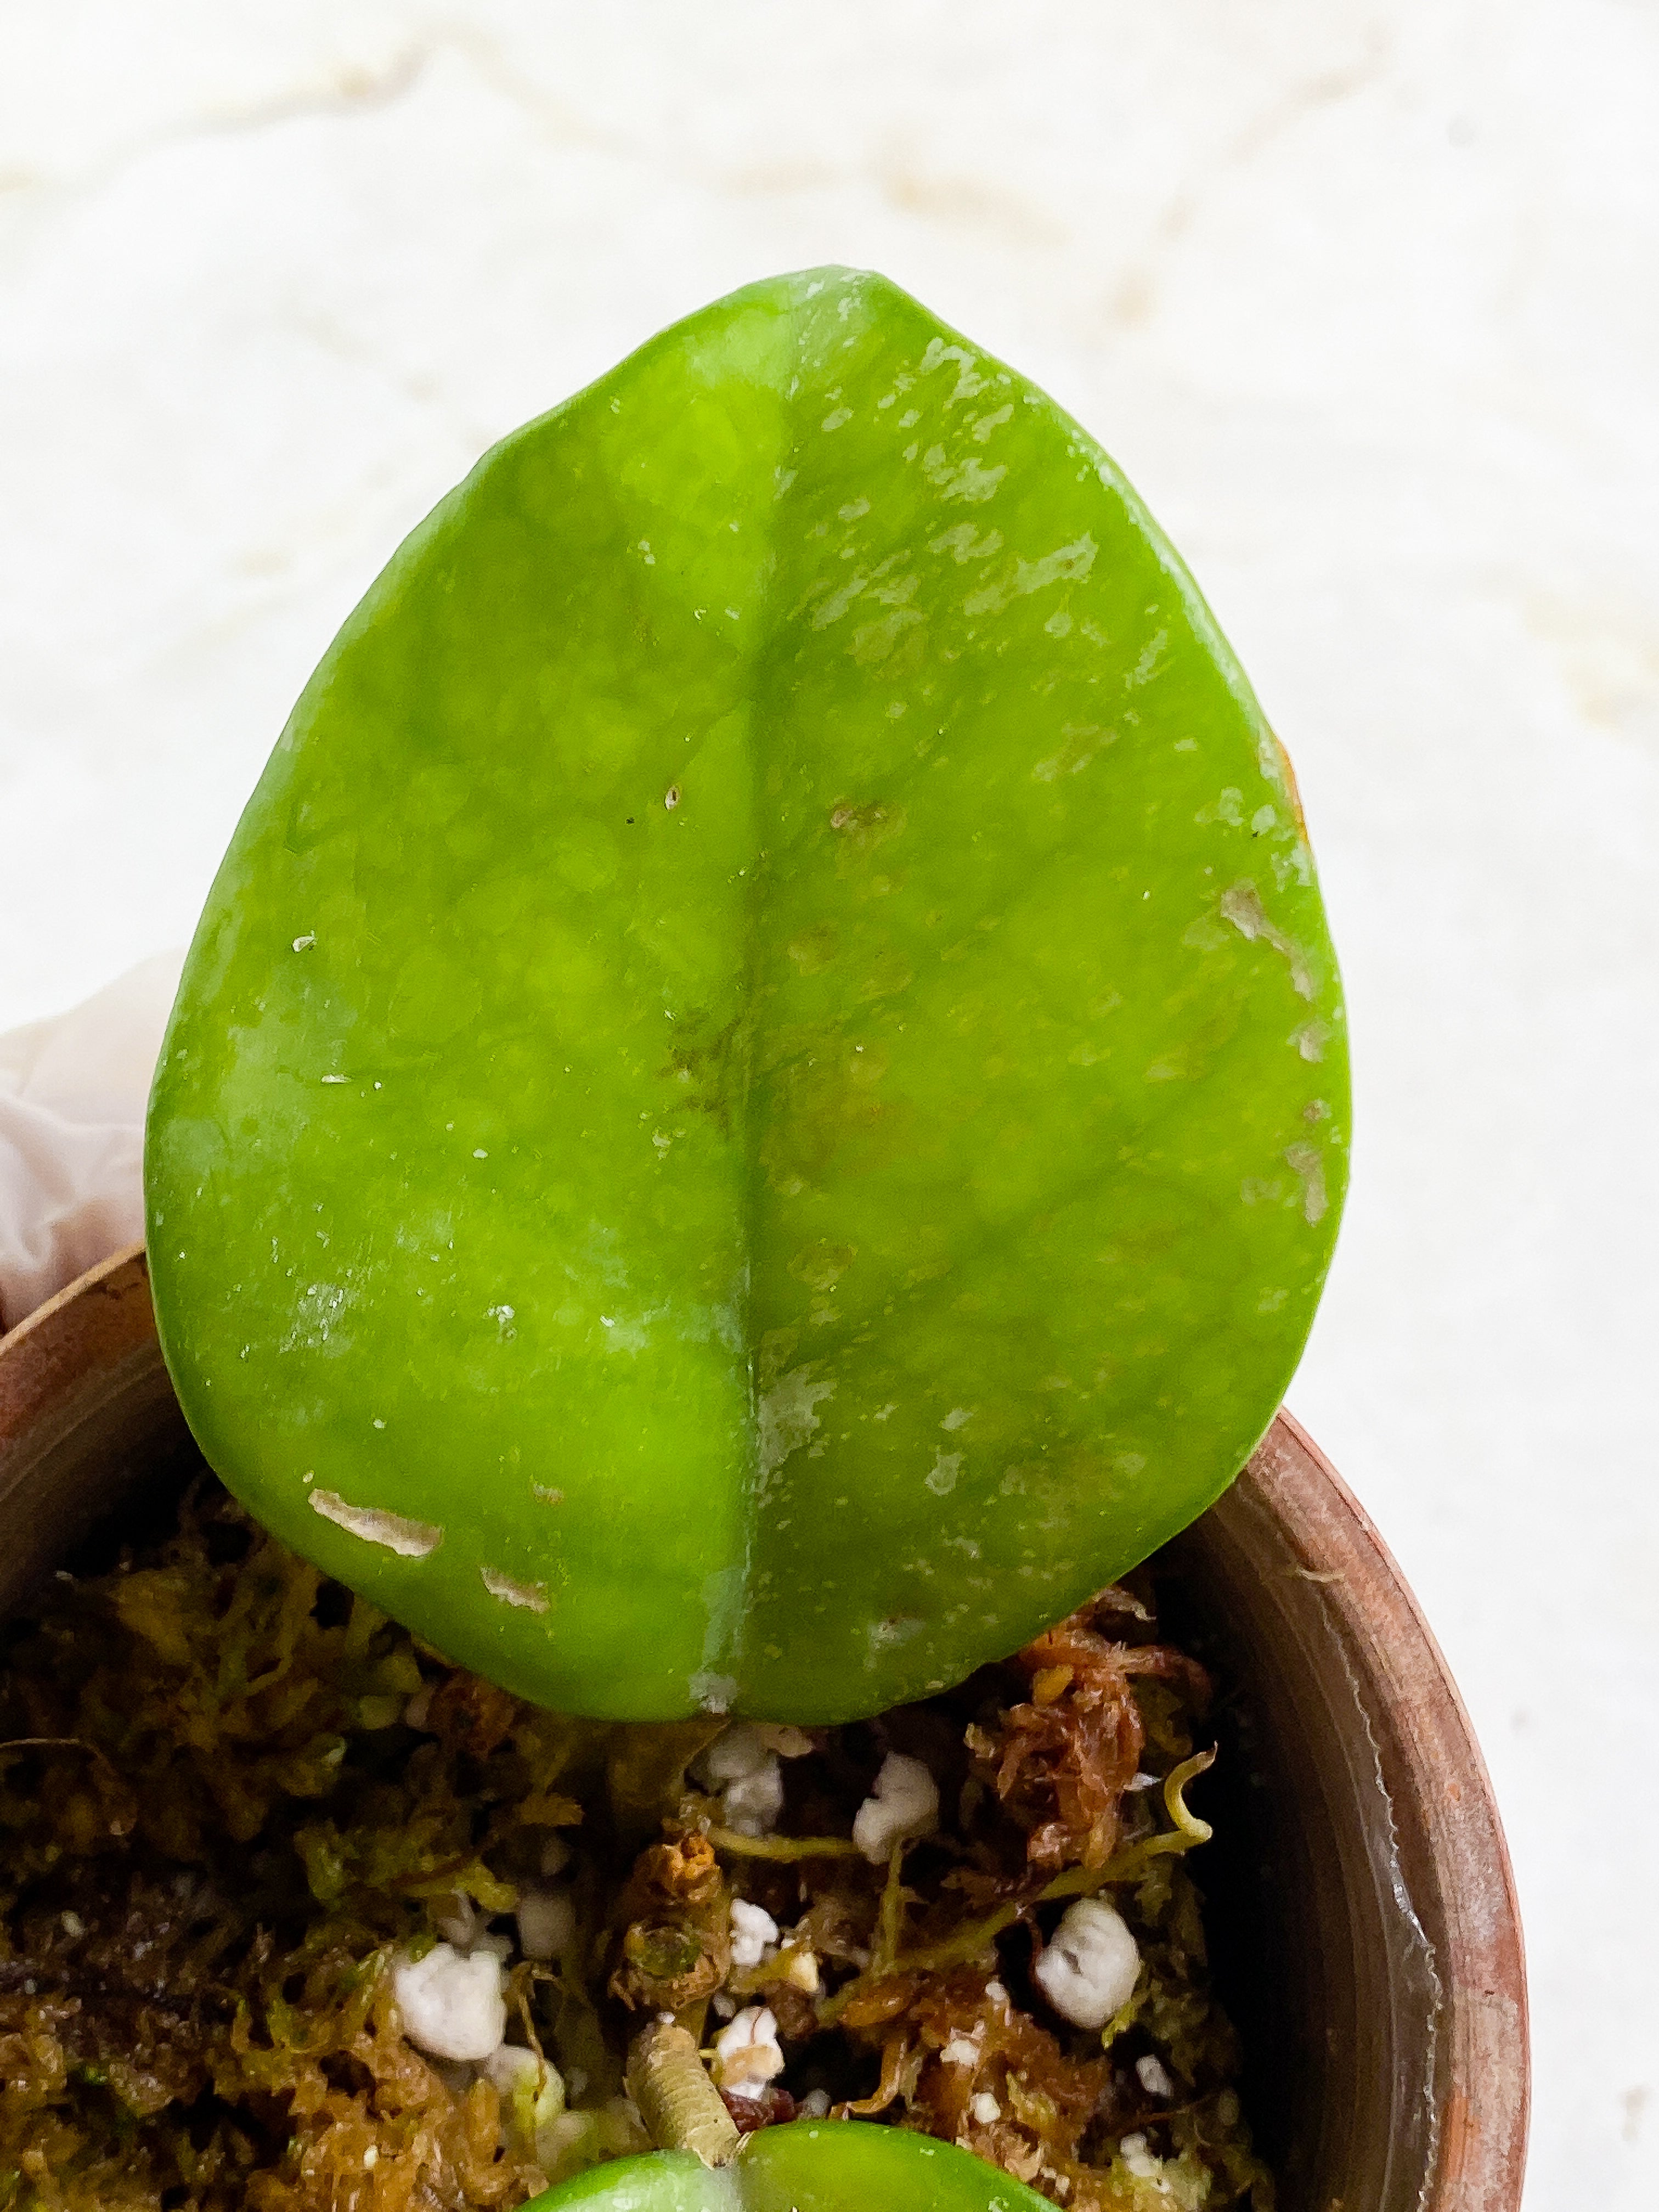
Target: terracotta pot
pixel 1361 1908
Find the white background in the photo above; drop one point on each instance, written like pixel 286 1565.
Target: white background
pixel 1364 298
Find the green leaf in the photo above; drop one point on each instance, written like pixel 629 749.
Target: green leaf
pixel 809 2165
pixel 760 1102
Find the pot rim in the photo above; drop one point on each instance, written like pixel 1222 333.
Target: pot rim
pixel 1447 1826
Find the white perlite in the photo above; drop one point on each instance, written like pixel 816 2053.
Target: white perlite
pixel 747 2054
pixel 905 1803
pixel 1089 1969
pixel 531 2093
pixel 752 1803
pixel 451 2004
pixel 1139 2160
pixel 736 1752
pixel 515 2071
pixel 740 1765
pixel 752 1929
pixel 1154 2075
pixel 800 1971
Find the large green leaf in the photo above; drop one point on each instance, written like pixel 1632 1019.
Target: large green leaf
pixel 759 1103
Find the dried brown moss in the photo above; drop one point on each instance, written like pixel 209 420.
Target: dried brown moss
pixel 231 1797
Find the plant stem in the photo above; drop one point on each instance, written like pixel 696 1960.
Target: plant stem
pixel 680 2105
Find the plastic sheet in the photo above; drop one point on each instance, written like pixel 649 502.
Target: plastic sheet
pixel 72 1096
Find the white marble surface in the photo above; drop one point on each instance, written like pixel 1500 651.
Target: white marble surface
pixel 1361 295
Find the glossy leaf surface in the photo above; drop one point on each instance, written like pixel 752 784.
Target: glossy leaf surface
pixel 759 1103
pixel 810 2165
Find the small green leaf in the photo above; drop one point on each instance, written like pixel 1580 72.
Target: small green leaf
pixel 808 2165
pixel 760 1102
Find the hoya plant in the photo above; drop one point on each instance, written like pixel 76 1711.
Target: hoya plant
pixel 759 1104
